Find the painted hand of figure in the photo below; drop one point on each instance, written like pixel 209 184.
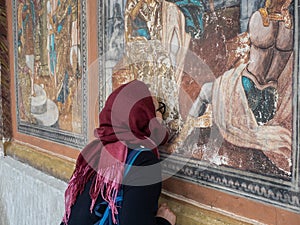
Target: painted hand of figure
pixel 166 213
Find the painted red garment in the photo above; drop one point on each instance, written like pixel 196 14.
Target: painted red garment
pixel 128 120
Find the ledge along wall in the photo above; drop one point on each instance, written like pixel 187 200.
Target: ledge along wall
pixel 194 203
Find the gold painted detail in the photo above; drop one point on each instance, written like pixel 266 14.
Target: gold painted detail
pixel 149 11
pixel 276 10
pixel 191 124
pixel 150 63
pixel 205 120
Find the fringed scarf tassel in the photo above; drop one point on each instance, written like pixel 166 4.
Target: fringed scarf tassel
pixel 108 183
pixel 75 187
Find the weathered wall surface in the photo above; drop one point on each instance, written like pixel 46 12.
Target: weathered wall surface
pixel 28 196
pixel 224 44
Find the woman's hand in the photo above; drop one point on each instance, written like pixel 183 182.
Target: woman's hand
pixel 166 213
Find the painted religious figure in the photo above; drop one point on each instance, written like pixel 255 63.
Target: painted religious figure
pixel 49 63
pixel 229 93
pixel 251 104
pixel 156 43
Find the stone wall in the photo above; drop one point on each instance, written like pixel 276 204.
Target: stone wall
pixel 28 196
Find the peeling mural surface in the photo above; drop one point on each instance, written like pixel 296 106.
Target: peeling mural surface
pixel 49 66
pixel 49 61
pixel 225 69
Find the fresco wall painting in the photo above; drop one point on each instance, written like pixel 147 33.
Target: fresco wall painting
pixel 227 71
pixel 50 69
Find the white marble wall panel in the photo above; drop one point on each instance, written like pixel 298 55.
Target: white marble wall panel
pixel 28 196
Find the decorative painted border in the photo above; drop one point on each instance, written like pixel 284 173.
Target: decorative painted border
pixel 275 191
pixel 269 190
pixel 48 133
pixel 101 35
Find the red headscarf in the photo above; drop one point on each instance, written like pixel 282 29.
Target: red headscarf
pixel 128 120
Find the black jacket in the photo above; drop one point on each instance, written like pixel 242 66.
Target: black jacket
pixel 141 191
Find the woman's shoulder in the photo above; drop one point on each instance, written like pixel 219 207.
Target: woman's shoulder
pixel 145 157
pixel 145 170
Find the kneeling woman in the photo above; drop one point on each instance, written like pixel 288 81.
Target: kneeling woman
pixel 129 128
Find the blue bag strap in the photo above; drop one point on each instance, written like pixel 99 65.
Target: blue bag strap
pixel 132 157
pixel 129 162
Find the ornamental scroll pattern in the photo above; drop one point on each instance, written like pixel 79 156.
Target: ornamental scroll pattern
pixel 267 190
